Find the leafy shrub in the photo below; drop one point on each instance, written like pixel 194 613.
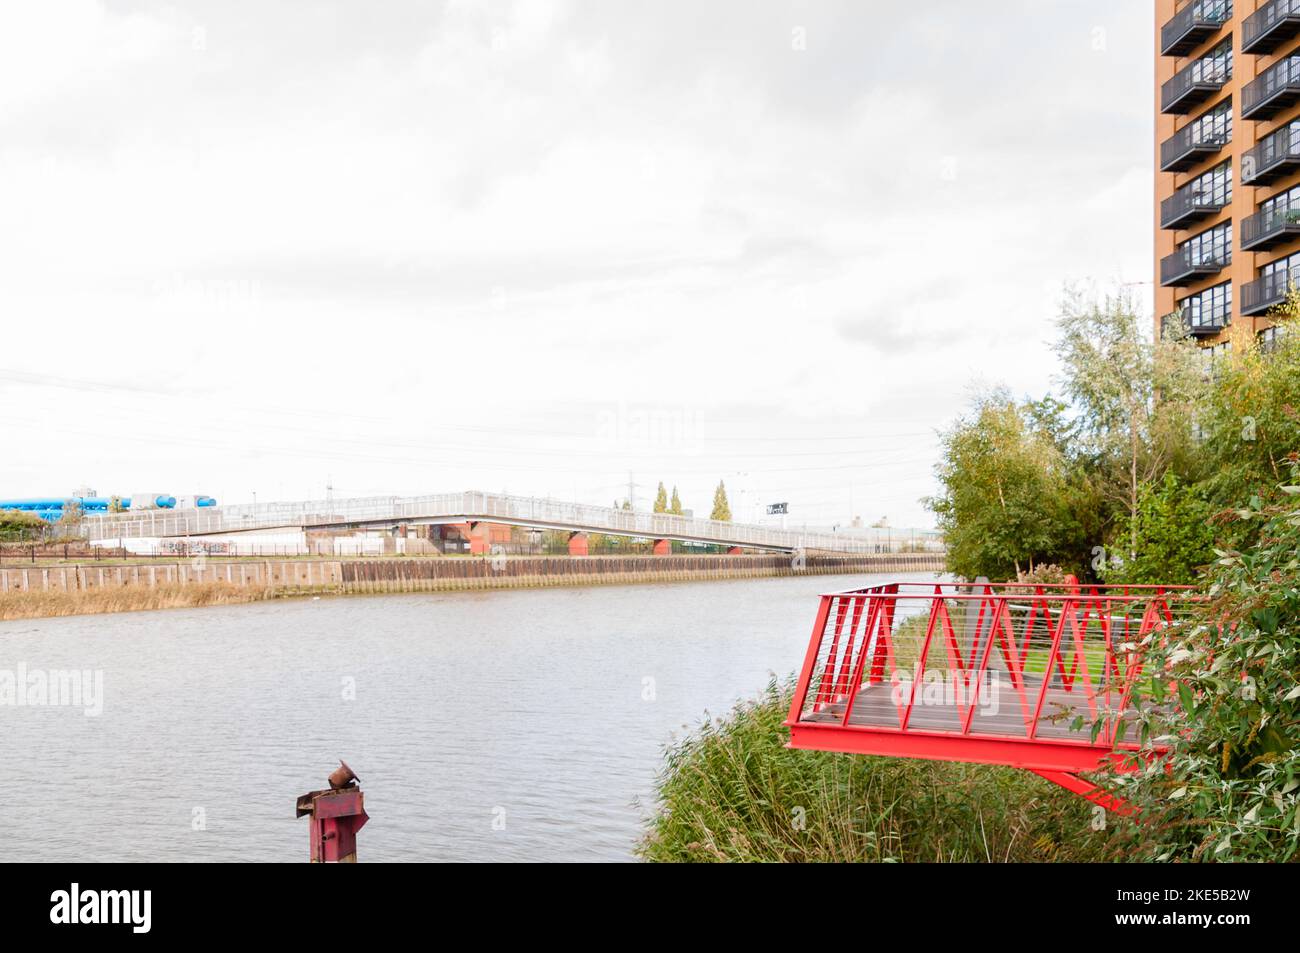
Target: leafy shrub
pixel 1228 788
pixel 20 525
pixel 732 791
pixel 1174 533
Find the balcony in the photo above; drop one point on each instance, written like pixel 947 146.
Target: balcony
pixel 1274 157
pixel 1270 26
pixel 1258 297
pixel 1186 265
pixel 1191 86
pixel 1189 147
pixel 1264 230
pixel 1193 25
pixel 1204 324
pixel 1189 204
pixel 1275 90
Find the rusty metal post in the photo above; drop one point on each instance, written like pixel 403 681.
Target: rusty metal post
pixel 336 813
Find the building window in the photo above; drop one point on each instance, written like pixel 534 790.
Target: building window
pixel 1284 206
pixel 1284 73
pixel 1214 354
pixel 1269 337
pixel 1215 126
pixel 1210 247
pixel 1219 10
pixel 1214 187
pixel 1216 65
pixel 1280 144
pixel 1283 266
pixel 1211 308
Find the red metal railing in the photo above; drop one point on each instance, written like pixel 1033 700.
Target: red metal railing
pixel 1049 678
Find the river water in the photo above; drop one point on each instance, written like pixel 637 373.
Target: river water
pixel 501 726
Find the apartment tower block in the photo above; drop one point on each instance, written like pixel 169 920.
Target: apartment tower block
pixel 1228 164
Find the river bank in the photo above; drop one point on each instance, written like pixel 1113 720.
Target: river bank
pixel 732 791
pixel 27 593
pixel 53 603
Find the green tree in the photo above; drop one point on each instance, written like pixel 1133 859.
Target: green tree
pixel 721 508
pixel 1136 398
pixel 675 507
pixel 1252 415
pixel 1002 489
pixel 1174 534
pixel 661 499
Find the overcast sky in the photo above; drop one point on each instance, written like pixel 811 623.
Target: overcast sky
pixel 535 246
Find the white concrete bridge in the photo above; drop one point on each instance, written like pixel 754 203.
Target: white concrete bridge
pixel 473 508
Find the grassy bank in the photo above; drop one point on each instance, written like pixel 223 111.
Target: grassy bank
pixel 732 791
pixel 37 605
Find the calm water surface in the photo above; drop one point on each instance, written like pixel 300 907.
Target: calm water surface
pixel 547 709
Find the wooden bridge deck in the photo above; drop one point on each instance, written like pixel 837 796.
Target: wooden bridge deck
pixel 874 708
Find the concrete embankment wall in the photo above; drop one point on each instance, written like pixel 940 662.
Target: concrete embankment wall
pixel 416 575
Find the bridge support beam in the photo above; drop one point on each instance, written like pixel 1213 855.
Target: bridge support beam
pixel 483 534
pixel 578 544
pixel 663 547
pixel 479 544
pixel 1072 782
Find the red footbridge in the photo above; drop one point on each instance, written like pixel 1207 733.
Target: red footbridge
pixel 1048 678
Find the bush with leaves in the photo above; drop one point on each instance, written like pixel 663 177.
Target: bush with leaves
pixel 21 525
pixel 732 791
pixel 1251 417
pixel 1175 537
pixel 1229 788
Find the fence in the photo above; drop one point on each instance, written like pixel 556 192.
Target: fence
pixel 401 575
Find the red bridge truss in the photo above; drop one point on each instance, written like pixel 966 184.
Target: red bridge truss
pixel 1044 677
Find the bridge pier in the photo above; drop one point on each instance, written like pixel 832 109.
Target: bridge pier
pixel 481 535
pixel 480 543
pixel 663 547
pixel 578 544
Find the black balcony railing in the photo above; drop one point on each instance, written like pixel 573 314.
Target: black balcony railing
pixel 1188 264
pixel 1201 322
pixel 1276 155
pixel 1270 26
pixel 1263 230
pixel 1277 88
pixel 1190 146
pixel 1193 25
pixel 1192 85
pixel 1189 204
pixel 1258 297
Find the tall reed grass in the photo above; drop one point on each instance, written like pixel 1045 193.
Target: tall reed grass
pixel 732 791
pixel 35 605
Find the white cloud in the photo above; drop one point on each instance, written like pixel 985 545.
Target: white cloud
pixel 426 248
